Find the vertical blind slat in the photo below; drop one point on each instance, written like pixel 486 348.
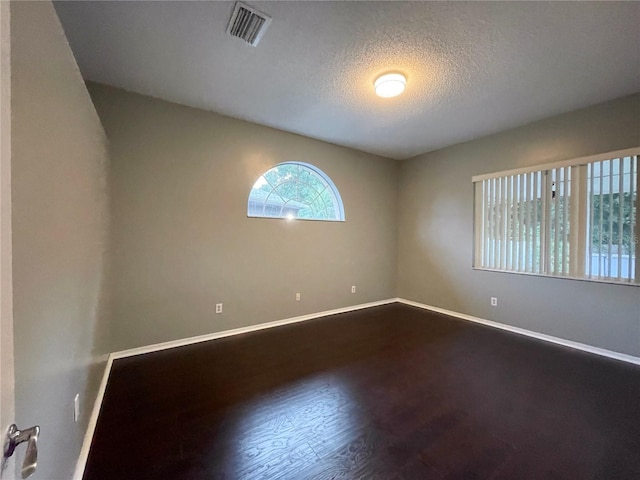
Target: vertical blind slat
pixel 620 243
pixel 527 222
pixel 634 269
pixel 534 243
pixel 556 215
pixel 521 229
pixel 567 221
pixel 562 202
pixel 545 239
pixel 509 215
pixel 610 215
pixel 494 213
pixel 490 193
pixel 518 221
pixel 494 199
pixel 601 220
pixel 529 237
pixel 486 223
pixel 505 232
pixel 590 198
pixel 499 237
pixel 492 245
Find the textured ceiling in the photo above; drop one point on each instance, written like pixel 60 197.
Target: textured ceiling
pixel 473 68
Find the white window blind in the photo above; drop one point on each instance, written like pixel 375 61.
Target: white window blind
pixel 575 219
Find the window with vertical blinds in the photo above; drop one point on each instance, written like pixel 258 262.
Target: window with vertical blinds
pixel 575 219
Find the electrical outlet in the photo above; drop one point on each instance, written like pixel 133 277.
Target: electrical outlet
pixel 494 301
pixel 218 308
pixel 353 289
pixel 76 407
pixel 298 297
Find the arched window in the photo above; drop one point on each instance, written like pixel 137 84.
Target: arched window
pixel 295 190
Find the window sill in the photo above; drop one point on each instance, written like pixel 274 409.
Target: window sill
pixel 561 277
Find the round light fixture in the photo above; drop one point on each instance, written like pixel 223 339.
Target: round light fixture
pixel 390 85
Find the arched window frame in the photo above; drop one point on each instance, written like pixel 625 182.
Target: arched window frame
pixel 282 214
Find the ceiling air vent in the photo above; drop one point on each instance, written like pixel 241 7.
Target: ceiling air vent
pixel 247 23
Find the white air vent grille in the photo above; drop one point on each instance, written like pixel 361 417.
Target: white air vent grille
pixel 248 24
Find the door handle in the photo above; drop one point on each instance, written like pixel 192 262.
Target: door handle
pixel 14 438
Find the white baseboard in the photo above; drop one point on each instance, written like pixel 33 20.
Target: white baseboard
pixel 529 333
pixel 238 331
pixel 93 420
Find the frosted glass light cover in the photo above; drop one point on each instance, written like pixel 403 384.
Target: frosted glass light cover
pixel 390 85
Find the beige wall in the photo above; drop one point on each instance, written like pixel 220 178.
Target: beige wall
pixel 436 226
pixel 7 385
pixel 59 237
pixel 182 240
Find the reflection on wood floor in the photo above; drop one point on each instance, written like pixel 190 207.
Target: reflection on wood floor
pixel 391 392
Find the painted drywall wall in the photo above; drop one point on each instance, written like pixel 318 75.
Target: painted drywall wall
pixel 182 241
pixel 7 384
pixel 435 228
pixel 59 237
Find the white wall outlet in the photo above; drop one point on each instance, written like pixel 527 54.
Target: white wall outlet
pixel 298 297
pixel 218 308
pixel 76 407
pixel 494 301
pixel 353 289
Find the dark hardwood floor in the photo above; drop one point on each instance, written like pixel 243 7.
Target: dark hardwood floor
pixel 391 392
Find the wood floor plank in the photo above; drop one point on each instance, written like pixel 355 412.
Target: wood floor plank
pixel 391 393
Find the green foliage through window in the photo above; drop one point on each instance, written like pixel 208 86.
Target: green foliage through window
pixel 295 190
pixel 614 229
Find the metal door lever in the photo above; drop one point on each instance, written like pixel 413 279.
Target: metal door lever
pixel 14 438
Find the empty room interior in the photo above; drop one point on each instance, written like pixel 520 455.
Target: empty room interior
pixel 320 240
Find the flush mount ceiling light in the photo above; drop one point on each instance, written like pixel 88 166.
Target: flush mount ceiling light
pixel 390 85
